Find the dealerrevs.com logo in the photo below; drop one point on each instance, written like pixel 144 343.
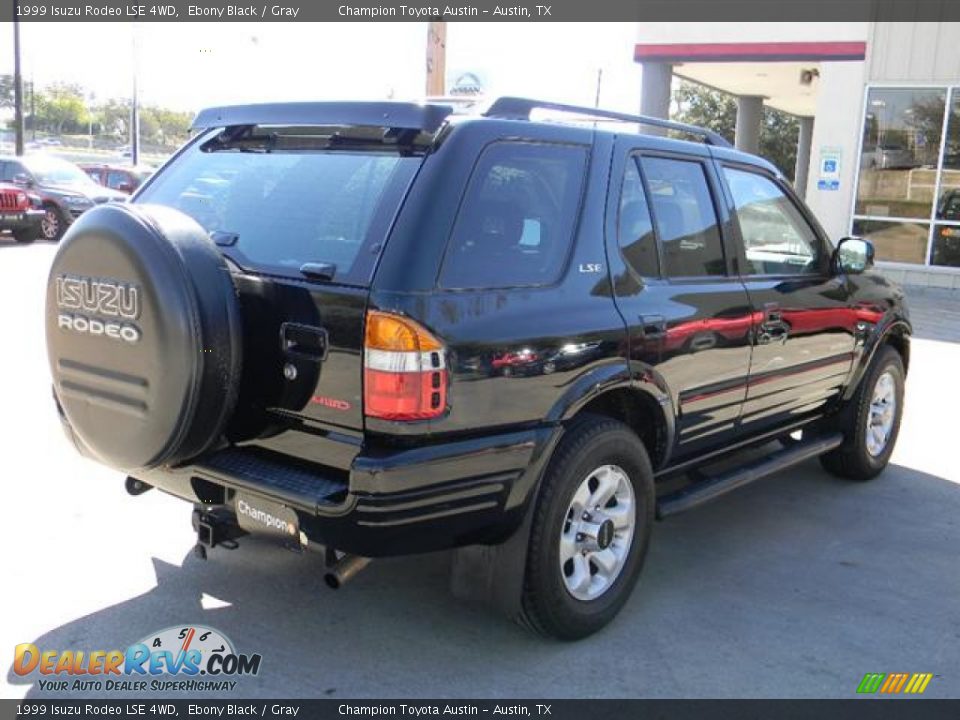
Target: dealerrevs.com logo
pixel 182 658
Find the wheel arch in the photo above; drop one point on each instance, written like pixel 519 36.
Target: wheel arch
pixel 631 397
pixel 896 334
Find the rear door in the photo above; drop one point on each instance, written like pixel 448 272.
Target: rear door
pixel 303 224
pixel 805 327
pixel 688 314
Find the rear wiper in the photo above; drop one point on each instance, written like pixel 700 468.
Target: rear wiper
pixel 318 270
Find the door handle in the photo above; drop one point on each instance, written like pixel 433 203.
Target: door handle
pixel 771 312
pixel 303 340
pixel 653 327
pixel 773 328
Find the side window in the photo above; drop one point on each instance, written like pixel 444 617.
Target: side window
pixel 777 239
pixel 685 217
pixel 635 228
pixel 516 221
pixel 116 178
pixel 16 168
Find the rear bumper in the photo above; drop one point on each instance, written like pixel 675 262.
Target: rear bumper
pixel 389 503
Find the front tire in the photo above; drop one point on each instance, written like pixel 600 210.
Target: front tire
pixel 871 421
pixel 591 529
pixel 24 237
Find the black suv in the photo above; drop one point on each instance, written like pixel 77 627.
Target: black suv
pixel 375 329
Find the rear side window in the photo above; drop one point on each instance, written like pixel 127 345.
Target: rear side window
pixel 635 228
pixel 685 217
pixel 516 221
pixel 287 208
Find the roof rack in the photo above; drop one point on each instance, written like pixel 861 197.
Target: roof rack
pixel 517 108
pixel 397 115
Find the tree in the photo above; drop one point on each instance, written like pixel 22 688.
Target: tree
pixel 6 91
pixel 114 118
pixel 698 105
pixel 160 126
pixel 61 108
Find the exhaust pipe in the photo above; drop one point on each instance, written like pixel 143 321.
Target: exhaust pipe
pixel 344 569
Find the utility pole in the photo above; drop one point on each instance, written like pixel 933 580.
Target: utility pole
pixel 436 59
pixel 17 84
pixel 596 99
pixel 134 109
pixel 33 106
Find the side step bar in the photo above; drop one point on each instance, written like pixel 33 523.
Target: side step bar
pixel 715 486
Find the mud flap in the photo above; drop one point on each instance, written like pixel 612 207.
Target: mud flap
pixel 491 576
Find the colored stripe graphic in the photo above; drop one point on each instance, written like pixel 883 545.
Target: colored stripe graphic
pixel 894 683
pixel 871 682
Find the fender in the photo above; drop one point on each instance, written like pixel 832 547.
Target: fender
pixel 615 375
pixel 892 324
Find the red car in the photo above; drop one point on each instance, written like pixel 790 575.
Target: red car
pixel 20 213
pixel 118 177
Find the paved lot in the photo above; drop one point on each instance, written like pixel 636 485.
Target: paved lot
pixel 793 587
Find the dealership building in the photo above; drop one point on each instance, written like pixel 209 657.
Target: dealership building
pixel 878 105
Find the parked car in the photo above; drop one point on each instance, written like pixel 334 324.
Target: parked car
pixel 65 191
pixel 124 178
pixel 21 213
pixel 890 157
pixel 949 206
pixel 309 343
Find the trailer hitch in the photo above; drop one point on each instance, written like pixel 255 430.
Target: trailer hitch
pixel 215 527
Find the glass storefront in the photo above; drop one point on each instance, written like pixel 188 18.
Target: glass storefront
pixel 908 187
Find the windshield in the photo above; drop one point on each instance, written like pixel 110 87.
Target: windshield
pixel 53 171
pixel 284 209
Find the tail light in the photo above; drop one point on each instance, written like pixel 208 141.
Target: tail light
pixel 404 373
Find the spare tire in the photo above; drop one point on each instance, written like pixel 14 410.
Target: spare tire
pixel 143 336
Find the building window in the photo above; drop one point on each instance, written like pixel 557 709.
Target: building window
pixel 908 186
pixel 945 248
pixel 904 242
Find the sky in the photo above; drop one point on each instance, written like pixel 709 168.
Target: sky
pixel 187 66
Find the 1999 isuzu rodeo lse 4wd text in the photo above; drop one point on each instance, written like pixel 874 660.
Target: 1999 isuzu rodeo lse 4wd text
pixel 381 328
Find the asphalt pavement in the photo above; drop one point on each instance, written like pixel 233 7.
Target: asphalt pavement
pixel 795 586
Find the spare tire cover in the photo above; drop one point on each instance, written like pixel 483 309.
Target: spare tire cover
pixel 143 335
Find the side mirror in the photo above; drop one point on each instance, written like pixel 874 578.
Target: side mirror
pixel 22 179
pixel 853 256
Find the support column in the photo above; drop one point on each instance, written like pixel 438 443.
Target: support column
pixel 655 93
pixel 802 169
pixel 749 123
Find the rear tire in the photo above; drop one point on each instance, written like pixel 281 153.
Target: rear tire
pixel 591 529
pixel 53 224
pixel 870 421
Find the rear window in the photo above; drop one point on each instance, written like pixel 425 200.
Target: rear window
pixel 516 221
pixel 277 210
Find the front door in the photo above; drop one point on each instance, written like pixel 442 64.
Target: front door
pixel 688 315
pixel 804 327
